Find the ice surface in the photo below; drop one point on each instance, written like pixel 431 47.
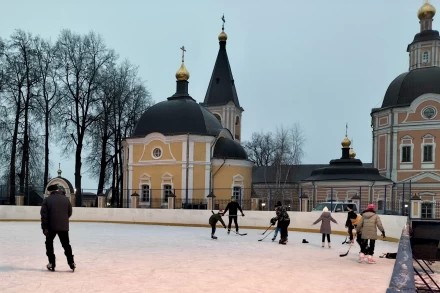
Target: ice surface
pixel 142 258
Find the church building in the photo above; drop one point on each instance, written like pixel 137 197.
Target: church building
pixel 406 128
pixel 187 151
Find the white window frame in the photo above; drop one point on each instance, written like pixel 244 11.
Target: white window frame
pixel 406 141
pixel 425 57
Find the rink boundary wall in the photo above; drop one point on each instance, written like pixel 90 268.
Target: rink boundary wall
pixel 299 221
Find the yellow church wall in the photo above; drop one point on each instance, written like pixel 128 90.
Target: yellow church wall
pixel 224 179
pixel 199 152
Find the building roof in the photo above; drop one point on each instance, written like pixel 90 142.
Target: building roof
pixel 424 36
pixel 180 114
pixel 408 86
pixel 290 173
pixel 221 89
pixel 227 148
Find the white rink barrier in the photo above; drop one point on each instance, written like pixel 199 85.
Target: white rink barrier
pixel 299 221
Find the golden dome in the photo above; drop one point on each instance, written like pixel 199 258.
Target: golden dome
pixel 222 37
pixel 352 154
pixel 182 73
pixel 427 11
pixel 345 142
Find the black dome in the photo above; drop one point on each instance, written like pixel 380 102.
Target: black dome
pixel 227 148
pixel 177 116
pixel 408 86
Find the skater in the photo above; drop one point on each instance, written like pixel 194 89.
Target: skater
pixel 283 222
pixel 352 221
pixel 55 213
pixel 367 227
pixel 325 229
pixel 213 222
pixel 233 207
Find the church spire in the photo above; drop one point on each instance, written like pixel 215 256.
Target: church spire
pixel 221 97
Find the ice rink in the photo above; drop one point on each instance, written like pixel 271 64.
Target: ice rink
pixel 143 258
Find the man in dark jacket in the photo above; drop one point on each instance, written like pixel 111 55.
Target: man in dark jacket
pixel 213 221
pixel 233 207
pixel 283 221
pixel 55 213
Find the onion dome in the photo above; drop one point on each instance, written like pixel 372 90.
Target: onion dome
pixel 346 142
pixel 182 73
pixel 352 154
pixel 427 11
pixel 222 37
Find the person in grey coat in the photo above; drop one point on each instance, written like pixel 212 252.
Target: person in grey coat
pixel 368 228
pixel 325 229
pixel 55 213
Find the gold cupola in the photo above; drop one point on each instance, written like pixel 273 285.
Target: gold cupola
pixel 346 142
pixel 427 11
pixel 222 37
pixel 182 73
pixel 352 153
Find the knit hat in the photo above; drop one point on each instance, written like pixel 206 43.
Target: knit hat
pixel 371 207
pixel 325 209
pixel 278 204
pixel 52 187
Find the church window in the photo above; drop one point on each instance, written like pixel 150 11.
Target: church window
pixel 406 154
pixel 145 193
pixel 426 210
pixel 429 112
pixel 236 193
pixel 425 57
pixel 157 153
pixel 167 192
pixel 427 153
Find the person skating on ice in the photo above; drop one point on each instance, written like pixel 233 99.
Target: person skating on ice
pixel 233 207
pixel 367 228
pixel 325 229
pixel 283 221
pixel 55 212
pixel 351 223
pixel 213 219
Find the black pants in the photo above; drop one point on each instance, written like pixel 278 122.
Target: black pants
pixel 233 217
pixel 368 248
pixel 284 232
pixel 65 242
pixel 323 237
pixel 213 229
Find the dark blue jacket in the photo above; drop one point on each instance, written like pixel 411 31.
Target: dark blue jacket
pixel 55 212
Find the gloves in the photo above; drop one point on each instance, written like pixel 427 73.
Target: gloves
pixel 273 221
pixel 242 215
pixel 383 234
pixel 45 232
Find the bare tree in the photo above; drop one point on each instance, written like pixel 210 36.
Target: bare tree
pixel 82 59
pixel 260 149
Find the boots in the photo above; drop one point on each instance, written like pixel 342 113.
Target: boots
pixel 371 260
pixel 213 237
pixel 51 265
pixel 323 244
pixel 283 241
pixel 361 257
pixel 329 245
pixel 71 262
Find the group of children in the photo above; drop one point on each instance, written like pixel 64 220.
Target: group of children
pixel 364 226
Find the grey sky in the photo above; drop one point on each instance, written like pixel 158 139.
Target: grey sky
pixel 319 63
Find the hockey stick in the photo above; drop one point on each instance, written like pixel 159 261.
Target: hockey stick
pixel 345 241
pixel 265 236
pixel 241 234
pixel 267 229
pixel 345 254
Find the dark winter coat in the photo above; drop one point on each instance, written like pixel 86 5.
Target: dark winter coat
pixel 351 216
pixel 282 215
pixel 55 212
pixel 369 224
pixel 325 219
pixel 232 207
pixel 215 218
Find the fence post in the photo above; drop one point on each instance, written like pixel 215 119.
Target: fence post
pixel 171 201
pixel 19 199
pixel 416 207
pixel 255 204
pixel 135 200
pixel 304 201
pixel 211 198
pixel 101 200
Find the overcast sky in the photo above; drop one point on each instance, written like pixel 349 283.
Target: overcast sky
pixel 319 63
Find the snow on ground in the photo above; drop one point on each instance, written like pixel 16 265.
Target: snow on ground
pixel 143 258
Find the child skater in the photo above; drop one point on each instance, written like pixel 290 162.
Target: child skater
pixel 367 227
pixel 213 222
pixel 325 229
